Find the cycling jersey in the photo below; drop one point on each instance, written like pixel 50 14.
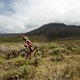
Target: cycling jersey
pixel 28 43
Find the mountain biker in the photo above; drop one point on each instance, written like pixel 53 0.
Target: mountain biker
pixel 28 43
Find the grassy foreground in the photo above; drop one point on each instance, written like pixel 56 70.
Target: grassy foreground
pixel 61 62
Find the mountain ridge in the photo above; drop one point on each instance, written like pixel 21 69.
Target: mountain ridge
pixel 56 31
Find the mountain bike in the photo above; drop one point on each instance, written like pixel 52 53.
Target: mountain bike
pixel 26 53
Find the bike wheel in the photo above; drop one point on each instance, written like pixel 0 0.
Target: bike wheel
pixel 39 54
pixel 22 53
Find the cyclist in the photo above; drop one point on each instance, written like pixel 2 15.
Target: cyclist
pixel 28 43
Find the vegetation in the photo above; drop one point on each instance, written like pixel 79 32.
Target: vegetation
pixel 61 61
pixel 10 39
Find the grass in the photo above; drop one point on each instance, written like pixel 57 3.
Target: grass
pixel 61 62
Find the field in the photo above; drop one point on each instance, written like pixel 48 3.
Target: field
pixel 61 61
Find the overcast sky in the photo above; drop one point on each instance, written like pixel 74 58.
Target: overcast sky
pixel 25 15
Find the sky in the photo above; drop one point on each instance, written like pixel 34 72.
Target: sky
pixel 20 16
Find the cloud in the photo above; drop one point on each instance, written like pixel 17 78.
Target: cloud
pixel 25 15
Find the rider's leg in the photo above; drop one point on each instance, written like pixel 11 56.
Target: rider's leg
pixel 30 51
pixel 34 48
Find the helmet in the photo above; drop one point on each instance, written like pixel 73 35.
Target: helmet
pixel 25 38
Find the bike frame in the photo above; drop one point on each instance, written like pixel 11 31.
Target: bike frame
pixel 34 50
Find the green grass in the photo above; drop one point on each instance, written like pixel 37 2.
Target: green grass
pixel 10 39
pixel 61 61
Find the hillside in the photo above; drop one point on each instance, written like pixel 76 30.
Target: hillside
pixel 56 31
pixel 61 62
pixel 9 34
pixel 9 37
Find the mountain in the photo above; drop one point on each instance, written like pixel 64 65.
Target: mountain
pixel 8 35
pixel 56 31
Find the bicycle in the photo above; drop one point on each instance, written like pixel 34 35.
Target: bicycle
pixel 26 53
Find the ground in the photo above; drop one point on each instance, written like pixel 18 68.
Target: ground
pixel 61 61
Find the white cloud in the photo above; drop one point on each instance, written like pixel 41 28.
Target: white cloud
pixel 25 15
